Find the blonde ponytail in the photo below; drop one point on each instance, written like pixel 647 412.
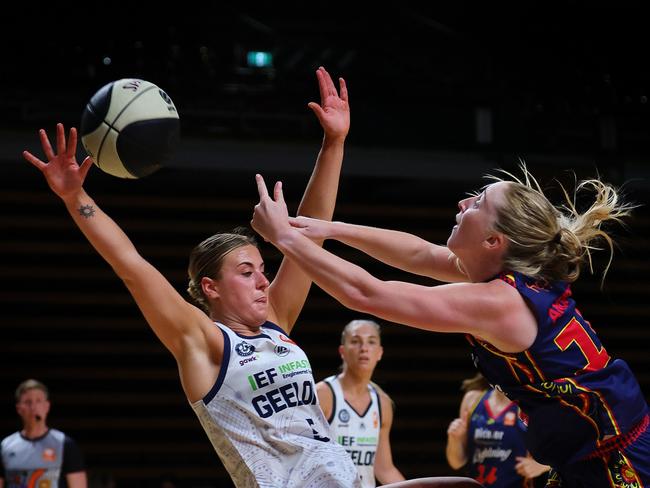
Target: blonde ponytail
pixel 552 243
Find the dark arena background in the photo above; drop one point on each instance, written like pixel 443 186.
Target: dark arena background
pixel 439 97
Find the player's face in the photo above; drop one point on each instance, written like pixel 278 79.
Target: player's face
pixel 475 219
pixel 33 406
pixel 362 347
pixel 243 287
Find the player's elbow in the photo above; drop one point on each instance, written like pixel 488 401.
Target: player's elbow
pixel 388 474
pixel 455 460
pixel 455 465
pixel 360 296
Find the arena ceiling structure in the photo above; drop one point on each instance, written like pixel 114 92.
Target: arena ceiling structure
pixel 519 77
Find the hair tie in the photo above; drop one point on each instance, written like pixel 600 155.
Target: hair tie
pixel 558 237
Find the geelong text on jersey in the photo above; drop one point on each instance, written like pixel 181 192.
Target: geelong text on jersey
pixel 290 395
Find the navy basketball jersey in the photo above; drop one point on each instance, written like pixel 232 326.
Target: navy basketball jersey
pixel 494 441
pixel 571 391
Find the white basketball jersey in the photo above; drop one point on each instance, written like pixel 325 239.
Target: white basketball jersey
pixel 263 417
pixel 357 432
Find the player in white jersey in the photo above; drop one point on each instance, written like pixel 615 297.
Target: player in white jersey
pixel 263 421
pixel 228 282
pixel 359 412
pixel 265 415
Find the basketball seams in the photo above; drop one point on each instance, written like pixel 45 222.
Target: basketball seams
pixel 111 124
pixel 91 108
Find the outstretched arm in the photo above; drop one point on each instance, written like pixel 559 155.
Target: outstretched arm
pixel 398 249
pixel 177 324
pixel 290 287
pixel 493 311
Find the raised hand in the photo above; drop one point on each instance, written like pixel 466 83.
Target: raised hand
pixel 270 216
pixel 64 176
pixel 457 429
pixel 334 111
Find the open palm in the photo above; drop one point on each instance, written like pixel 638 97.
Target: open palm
pixel 334 111
pixel 64 176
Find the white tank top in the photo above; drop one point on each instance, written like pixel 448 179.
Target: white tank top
pixel 357 432
pixel 263 417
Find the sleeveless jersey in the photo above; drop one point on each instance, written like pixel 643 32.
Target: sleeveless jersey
pixel 357 432
pixel 35 462
pixel 571 391
pixel 263 417
pixel 494 440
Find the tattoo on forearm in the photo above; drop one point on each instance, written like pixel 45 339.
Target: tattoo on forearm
pixel 87 211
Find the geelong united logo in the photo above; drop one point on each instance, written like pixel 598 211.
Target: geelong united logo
pixel 244 349
pixel 344 416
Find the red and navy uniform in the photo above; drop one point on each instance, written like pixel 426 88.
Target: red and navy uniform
pixel 494 441
pixel 585 411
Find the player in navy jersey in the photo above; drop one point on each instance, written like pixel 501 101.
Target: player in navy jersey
pixel 37 455
pixel 488 438
pixel 508 264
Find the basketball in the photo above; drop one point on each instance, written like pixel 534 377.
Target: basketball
pixel 130 128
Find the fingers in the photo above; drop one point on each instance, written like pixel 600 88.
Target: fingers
pixel 327 90
pixel 321 84
pixel 456 427
pixel 330 89
pixel 465 414
pixel 317 109
pixel 261 186
pixel 520 468
pixel 85 167
pixel 343 90
pixel 60 139
pixel 325 84
pixel 45 144
pixel 296 222
pixel 34 160
pixel 278 196
pixel 71 149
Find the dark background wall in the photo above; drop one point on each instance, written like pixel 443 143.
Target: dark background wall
pixel 439 96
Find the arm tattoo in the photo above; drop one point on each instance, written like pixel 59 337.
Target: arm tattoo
pixel 87 211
